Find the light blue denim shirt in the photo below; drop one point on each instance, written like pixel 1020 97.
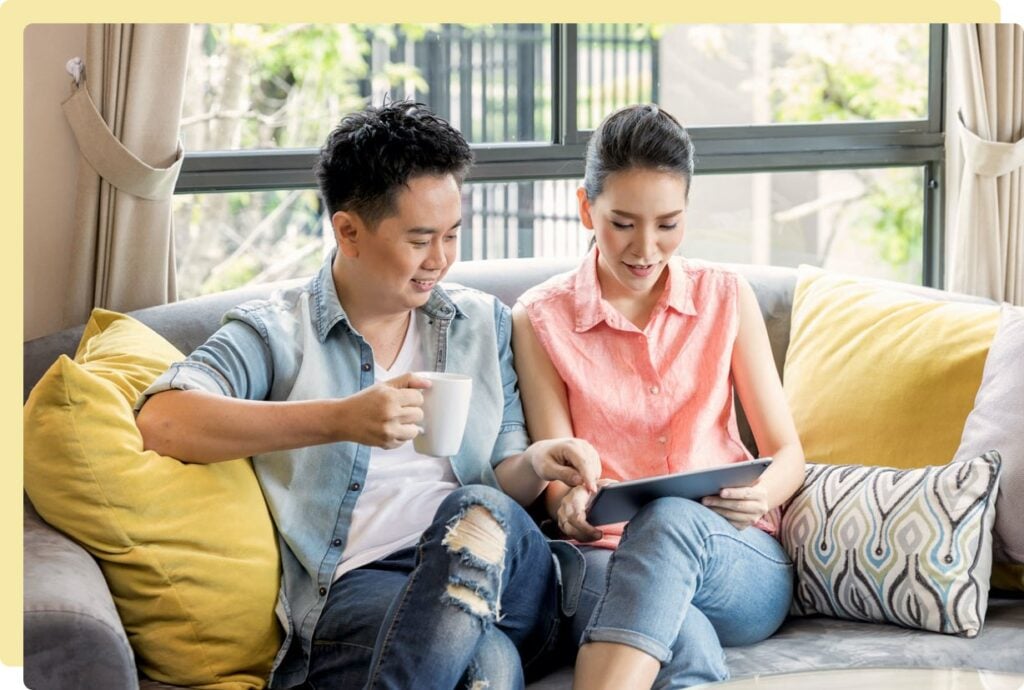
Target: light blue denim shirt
pixel 299 345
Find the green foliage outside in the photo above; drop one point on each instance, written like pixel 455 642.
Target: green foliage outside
pixel 278 86
pixel 851 73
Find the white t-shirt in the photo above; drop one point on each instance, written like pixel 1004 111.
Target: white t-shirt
pixel 402 489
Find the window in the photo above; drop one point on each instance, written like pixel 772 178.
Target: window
pixel 816 144
pixel 265 86
pixel 720 74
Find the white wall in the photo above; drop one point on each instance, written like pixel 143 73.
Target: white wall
pixel 51 164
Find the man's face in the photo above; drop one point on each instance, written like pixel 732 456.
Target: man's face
pixel 411 251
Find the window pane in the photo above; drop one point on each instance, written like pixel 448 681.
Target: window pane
pixel 225 241
pixel 867 222
pixel 741 74
pixel 286 86
pixel 521 219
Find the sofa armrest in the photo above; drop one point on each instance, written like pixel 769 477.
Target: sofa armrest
pixel 73 636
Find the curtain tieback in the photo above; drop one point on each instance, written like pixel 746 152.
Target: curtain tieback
pixel 989 158
pixel 108 156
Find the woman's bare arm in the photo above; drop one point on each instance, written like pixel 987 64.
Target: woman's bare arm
pixel 764 402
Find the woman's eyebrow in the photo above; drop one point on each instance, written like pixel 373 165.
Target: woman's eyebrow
pixel 635 215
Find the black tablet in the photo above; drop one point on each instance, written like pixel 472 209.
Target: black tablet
pixel 620 501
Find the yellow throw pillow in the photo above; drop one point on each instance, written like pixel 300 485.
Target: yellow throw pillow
pixel 879 376
pixel 1008 576
pixel 188 551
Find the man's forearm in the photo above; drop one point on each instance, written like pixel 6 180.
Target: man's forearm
pixel 199 427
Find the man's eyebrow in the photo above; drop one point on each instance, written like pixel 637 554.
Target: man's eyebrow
pixel 431 231
pixel 636 215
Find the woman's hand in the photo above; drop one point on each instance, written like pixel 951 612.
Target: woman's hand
pixel 572 461
pixel 742 506
pixel 572 513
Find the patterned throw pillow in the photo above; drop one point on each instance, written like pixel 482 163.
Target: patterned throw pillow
pixel 911 547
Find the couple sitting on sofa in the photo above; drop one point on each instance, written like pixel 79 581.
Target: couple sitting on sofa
pixel 402 570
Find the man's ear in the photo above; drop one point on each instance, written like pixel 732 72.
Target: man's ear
pixel 347 229
pixel 584 205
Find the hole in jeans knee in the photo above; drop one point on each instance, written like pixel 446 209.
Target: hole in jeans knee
pixel 477 532
pixel 469 600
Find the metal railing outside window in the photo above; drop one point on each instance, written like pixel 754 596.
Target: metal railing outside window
pixel 525 96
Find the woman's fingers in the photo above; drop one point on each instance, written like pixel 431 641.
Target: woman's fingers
pixel 739 519
pixel 573 516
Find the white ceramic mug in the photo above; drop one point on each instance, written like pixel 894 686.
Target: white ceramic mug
pixel 445 411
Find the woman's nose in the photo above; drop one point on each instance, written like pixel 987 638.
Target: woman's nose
pixel 646 244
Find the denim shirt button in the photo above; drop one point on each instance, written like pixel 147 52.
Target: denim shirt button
pixel 323 591
pixel 354 486
pixel 336 542
pixel 366 366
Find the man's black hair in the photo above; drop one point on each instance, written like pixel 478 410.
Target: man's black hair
pixel 371 154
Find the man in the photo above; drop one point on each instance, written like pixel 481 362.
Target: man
pixel 316 385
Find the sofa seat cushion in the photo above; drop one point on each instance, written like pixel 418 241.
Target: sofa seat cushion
pixel 807 644
pixel 188 551
pixel 878 375
pixel 813 643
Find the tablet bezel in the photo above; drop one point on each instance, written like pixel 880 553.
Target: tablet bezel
pixel 628 497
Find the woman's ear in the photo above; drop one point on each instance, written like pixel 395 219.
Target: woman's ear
pixel 346 233
pixel 584 204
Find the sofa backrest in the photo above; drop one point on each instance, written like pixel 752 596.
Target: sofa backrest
pixel 187 324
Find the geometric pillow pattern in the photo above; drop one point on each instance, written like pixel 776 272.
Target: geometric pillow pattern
pixel 910 547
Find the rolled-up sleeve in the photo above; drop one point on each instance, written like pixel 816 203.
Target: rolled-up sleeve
pixel 512 438
pixel 236 361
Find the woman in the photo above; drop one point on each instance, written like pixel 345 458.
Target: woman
pixel 636 353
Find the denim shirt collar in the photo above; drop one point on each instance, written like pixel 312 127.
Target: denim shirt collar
pixel 591 309
pixel 327 311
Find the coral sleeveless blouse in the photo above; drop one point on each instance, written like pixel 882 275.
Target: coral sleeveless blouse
pixel 652 401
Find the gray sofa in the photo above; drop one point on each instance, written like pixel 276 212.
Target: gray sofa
pixel 74 639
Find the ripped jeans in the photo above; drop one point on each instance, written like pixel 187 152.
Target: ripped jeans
pixel 470 607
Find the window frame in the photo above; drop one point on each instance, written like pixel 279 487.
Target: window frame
pixel 721 149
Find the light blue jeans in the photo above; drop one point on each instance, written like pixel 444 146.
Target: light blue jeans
pixel 683 584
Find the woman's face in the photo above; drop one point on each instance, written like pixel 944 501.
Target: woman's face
pixel 638 220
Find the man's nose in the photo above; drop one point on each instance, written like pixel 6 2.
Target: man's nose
pixel 436 258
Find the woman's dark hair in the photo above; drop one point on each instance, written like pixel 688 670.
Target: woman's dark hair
pixel 374 152
pixel 638 136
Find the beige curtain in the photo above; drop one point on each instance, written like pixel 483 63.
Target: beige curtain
pixel 124 111
pixel 986 171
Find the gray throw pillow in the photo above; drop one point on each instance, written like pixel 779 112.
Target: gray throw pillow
pixel 997 422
